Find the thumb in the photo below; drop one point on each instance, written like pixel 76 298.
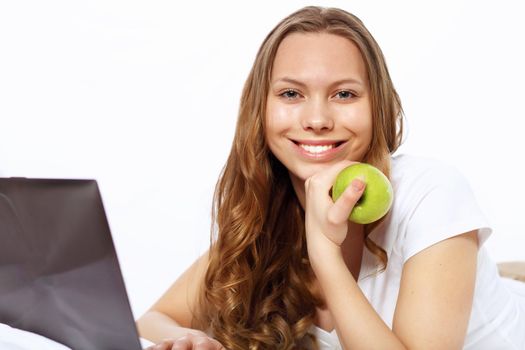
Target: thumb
pixel 343 206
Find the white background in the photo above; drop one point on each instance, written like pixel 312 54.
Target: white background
pixel 143 97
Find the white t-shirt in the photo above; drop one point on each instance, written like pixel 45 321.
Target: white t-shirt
pixel 433 202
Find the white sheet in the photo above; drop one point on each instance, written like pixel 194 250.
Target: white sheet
pixel 18 339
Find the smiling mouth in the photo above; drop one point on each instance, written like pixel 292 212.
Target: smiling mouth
pixel 318 149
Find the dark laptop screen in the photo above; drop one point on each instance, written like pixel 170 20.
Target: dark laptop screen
pixel 59 273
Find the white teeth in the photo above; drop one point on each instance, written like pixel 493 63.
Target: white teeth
pixel 316 149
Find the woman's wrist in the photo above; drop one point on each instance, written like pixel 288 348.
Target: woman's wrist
pixel 324 255
pixel 156 326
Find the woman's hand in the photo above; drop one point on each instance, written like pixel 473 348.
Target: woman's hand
pixel 326 221
pixel 191 341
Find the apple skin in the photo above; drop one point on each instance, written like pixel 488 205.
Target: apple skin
pixel 377 197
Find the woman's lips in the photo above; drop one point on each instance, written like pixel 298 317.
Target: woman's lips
pixel 320 150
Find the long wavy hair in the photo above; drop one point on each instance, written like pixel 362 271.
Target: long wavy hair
pixel 259 289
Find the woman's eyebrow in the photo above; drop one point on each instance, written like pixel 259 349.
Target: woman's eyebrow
pixel 335 83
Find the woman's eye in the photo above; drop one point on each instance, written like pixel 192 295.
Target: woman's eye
pixel 344 94
pixel 290 94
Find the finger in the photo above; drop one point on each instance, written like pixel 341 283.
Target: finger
pixel 182 344
pixel 324 179
pixel 207 344
pixel 164 345
pixel 218 346
pixel 343 206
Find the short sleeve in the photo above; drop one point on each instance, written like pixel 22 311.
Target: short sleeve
pixel 443 206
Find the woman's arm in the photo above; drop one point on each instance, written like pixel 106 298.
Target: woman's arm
pixel 157 326
pixel 433 306
pixel 171 316
pixel 436 293
pixel 169 335
pixel 437 284
pixel 357 323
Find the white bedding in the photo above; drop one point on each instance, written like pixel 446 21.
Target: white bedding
pixel 18 339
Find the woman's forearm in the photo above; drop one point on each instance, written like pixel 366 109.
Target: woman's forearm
pixel 357 323
pixel 156 326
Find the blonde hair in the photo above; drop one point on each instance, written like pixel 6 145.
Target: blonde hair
pixel 259 290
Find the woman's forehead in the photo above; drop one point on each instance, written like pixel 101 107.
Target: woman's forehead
pixel 313 57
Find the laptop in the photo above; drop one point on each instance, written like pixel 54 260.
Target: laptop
pixel 59 273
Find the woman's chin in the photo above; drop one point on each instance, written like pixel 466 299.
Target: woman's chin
pixel 303 174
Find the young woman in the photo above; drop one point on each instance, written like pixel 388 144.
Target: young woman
pixel 286 269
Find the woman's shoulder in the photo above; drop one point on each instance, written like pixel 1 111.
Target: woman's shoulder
pixel 433 201
pixel 417 179
pixel 410 164
pixel 413 170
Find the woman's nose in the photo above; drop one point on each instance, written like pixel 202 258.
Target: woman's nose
pixel 317 117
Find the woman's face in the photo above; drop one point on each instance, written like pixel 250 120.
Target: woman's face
pixel 318 106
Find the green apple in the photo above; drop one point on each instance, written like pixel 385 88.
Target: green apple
pixel 377 197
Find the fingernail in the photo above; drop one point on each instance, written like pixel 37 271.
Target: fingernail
pixel 358 184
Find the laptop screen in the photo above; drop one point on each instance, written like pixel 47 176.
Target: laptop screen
pixel 59 273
